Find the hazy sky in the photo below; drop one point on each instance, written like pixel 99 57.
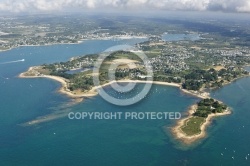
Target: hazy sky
pixel 124 5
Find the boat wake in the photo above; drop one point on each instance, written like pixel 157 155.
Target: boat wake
pixel 22 60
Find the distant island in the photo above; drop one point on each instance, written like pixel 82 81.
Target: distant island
pixel 181 70
pixel 193 127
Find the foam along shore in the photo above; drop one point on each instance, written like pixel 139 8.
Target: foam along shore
pixel 181 136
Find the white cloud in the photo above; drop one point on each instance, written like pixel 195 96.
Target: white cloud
pixel 245 8
pixel 55 5
pixel 229 5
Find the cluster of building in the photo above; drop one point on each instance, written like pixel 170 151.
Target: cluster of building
pixel 171 58
pixel 234 52
pixel 14 34
pixel 75 64
pixel 169 62
pixel 101 34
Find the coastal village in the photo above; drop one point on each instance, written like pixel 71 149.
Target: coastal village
pixel 192 65
pixel 49 34
pixel 124 82
pixel 169 65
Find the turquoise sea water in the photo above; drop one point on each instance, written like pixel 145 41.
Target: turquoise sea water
pixel 109 142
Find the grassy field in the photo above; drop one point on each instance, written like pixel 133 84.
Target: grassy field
pixel 192 126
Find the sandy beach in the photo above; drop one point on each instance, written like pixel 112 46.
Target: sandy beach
pixel 202 94
pixel 64 88
pixel 181 136
pixel 78 95
pixel 145 82
pixel 93 92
